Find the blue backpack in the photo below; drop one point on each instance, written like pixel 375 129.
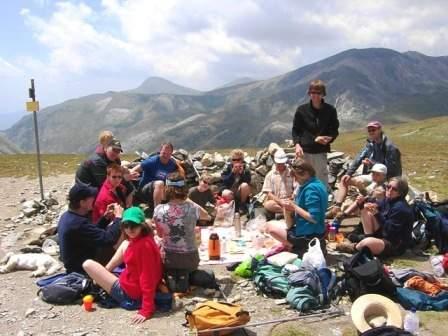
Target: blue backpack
pixel 66 289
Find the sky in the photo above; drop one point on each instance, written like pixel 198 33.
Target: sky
pixel 75 48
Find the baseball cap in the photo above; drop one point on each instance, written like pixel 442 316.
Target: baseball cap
pixel 375 124
pixel 134 214
pixel 379 168
pixel 80 192
pixel 115 143
pixel 280 156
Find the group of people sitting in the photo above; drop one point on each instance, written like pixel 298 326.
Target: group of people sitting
pixel 105 227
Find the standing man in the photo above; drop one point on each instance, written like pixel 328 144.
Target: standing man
pixel 315 126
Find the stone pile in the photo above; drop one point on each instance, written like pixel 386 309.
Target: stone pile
pixel 40 218
pixel 214 163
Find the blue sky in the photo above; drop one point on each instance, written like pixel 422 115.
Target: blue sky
pixel 75 48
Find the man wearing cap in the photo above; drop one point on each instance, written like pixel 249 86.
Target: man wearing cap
pixel 314 128
pixel 92 172
pixel 154 171
pixel 278 184
pixel 79 239
pixel 378 149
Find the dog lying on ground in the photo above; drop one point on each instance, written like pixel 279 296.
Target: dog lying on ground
pixel 40 263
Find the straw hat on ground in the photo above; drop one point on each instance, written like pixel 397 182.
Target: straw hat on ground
pixel 373 310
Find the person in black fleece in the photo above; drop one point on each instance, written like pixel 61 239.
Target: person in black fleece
pixel 314 128
pixel 79 239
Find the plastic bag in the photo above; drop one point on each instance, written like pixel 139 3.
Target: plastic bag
pixel 314 257
pixel 225 214
pixel 257 224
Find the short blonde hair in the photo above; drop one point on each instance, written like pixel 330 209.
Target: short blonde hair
pixel 105 137
pixel 237 153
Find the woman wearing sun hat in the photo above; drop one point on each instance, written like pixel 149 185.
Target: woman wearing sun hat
pixel 136 286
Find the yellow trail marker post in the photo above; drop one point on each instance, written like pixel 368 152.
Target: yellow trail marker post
pixel 33 106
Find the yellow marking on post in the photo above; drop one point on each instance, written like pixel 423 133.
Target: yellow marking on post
pixel 32 106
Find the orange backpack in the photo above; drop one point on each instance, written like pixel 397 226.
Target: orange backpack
pixel 212 315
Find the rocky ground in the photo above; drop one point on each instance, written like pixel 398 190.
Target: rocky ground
pixel 23 313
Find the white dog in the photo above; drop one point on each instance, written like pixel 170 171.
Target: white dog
pixel 40 263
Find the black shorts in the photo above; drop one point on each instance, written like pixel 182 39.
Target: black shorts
pixel 300 243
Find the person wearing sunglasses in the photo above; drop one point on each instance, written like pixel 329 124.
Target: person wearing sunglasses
pixel 92 171
pixel 236 177
pixel 378 149
pixel 387 224
pixel 315 127
pixel 305 216
pixel 136 286
pixel 112 191
pixel 202 194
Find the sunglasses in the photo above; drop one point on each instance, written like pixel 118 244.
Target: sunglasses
pixel 116 176
pixel 391 187
pixel 239 159
pixel 130 225
pixel 299 172
pixel 315 93
pixel 371 130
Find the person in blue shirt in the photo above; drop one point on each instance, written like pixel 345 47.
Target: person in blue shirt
pixel 305 216
pixel 154 171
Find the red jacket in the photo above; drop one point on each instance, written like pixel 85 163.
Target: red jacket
pixel 105 197
pixel 143 272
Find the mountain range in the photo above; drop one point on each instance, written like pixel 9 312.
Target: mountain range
pixel 363 84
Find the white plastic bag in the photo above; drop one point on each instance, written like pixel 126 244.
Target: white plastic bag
pixel 314 257
pixel 225 214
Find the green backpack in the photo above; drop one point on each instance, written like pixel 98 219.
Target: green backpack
pixel 270 280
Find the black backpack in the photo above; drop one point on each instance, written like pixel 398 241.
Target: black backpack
pixel 365 274
pixel 386 331
pixel 65 290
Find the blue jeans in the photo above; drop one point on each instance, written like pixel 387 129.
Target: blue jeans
pixel 119 295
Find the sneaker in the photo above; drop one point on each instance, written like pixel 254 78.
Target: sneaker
pixel 346 247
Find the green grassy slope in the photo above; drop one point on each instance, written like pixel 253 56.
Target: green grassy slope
pixel 423 144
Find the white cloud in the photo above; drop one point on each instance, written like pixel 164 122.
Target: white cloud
pixel 203 44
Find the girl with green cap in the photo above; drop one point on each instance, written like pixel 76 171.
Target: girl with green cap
pixel 136 286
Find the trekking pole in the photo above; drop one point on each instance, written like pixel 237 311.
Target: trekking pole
pixel 334 313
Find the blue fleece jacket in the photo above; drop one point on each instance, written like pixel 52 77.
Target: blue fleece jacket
pixel 313 198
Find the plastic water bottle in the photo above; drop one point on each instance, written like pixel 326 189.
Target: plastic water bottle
pixel 411 322
pixel 437 266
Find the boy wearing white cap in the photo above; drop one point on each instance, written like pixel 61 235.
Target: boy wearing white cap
pixel 278 183
pixel 366 184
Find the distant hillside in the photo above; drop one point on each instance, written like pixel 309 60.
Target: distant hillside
pixel 6 147
pixel 9 119
pixel 363 84
pixel 157 85
pixel 238 81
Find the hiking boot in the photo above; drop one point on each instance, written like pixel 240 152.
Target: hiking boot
pixel 355 237
pixel 346 247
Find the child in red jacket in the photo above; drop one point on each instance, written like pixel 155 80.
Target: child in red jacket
pixel 136 287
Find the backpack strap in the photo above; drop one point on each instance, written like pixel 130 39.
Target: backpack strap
pixel 225 307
